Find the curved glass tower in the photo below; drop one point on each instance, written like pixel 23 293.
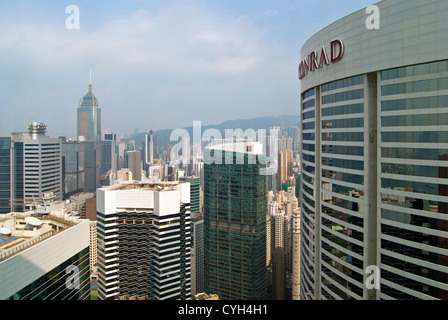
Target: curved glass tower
pixel 374 187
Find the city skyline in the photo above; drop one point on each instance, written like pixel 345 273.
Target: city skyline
pixel 170 62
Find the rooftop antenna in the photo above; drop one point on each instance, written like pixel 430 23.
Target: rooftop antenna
pixel 90 75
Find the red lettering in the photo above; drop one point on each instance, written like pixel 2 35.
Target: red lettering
pixel 333 44
pixel 323 58
pixel 312 61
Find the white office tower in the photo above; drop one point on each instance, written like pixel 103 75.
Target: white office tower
pixel 149 148
pixel 296 254
pixel 36 166
pixel 144 241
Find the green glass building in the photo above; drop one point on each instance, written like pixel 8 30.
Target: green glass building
pixel 235 221
pixel 195 185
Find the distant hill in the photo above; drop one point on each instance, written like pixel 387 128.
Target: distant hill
pixel 162 137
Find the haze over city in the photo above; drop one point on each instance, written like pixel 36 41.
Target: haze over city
pixel 155 64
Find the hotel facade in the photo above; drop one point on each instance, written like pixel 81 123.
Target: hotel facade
pixel 374 185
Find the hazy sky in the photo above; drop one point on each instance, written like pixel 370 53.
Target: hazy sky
pixel 156 64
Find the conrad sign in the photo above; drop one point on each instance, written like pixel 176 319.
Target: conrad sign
pixel 318 59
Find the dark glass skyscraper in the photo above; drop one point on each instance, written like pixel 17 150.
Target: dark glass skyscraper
pixel 235 222
pixel 5 167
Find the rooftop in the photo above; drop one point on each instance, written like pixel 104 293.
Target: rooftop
pixel 21 230
pixel 237 145
pixel 132 185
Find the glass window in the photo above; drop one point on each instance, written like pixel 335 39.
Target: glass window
pixel 308 136
pixel 415 136
pixel 415 153
pixel 346 150
pixel 415 86
pixel 308 93
pixel 415 170
pixel 343 136
pixel 308 125
pixel 343 123
pixel 415 103
pixel 415 186
pixel 308 115
pixel 343 83
pixel 308 104
pixel 426 68
pixel 345 109
pixel 343 176
pixel 343 163
pixel 343 96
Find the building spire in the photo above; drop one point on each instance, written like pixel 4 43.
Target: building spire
pixel 90 78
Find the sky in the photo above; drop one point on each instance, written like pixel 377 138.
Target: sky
pixel 155 64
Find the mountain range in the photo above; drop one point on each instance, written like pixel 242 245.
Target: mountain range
pixel 162 137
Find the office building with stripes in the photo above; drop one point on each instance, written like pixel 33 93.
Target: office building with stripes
pixel 144 241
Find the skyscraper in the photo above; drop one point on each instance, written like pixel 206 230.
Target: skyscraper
pixel 374 188
pixel 36 166
pixel 197 236
pixel 109 153
pixel 197 253
pixel 144 241
pixel 296 254
pixel 235 220
pixel 73 160
pixel 5 171
pixel 89 117
pixel 149 148
pixel 195 192
pixel 135 164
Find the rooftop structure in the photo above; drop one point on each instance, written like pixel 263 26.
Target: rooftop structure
pixel 44 256
pixel 21 230
pixel 144 241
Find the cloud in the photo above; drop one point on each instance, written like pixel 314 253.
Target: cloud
pixel 183 57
